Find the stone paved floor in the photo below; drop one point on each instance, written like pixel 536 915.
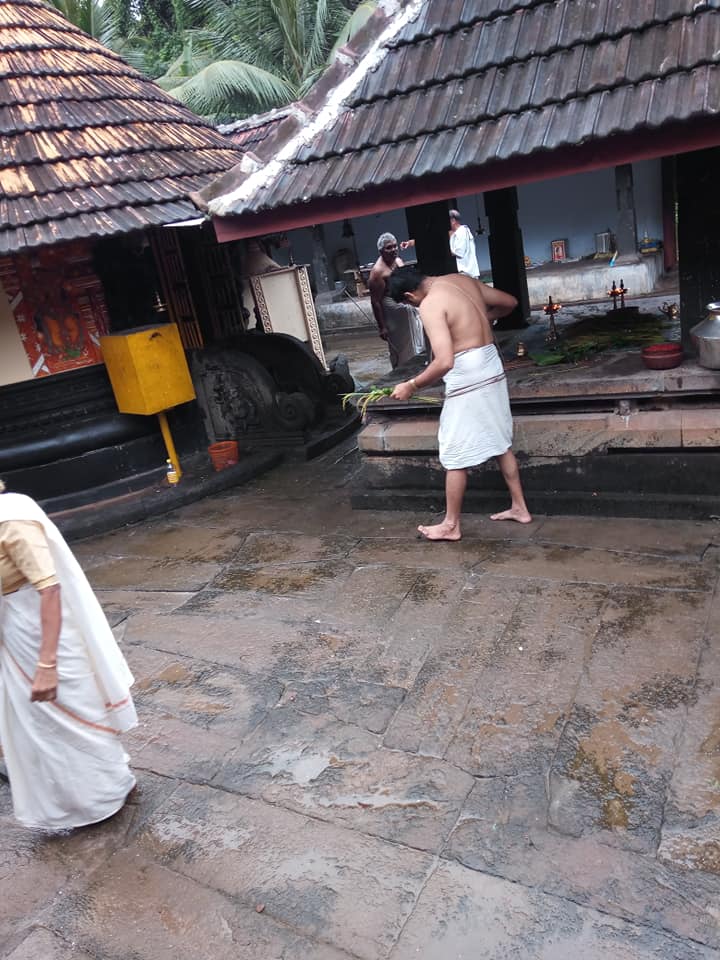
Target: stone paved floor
pixel 357 745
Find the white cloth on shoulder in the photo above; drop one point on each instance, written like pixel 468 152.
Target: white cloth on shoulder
pixel 405 331
pixel 475 422
pixel 66 764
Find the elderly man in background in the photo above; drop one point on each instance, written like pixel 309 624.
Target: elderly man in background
pixel 398 324
pixel 462 246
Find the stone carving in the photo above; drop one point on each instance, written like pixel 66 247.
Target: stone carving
pixel 261 387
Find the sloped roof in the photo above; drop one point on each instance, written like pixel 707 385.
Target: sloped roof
pixel 494 88
pixel 251 131
pixel 89 146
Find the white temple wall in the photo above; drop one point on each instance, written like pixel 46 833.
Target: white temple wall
pixel 572 208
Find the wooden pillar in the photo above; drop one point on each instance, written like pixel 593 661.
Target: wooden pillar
pixel 669 197
pixel 429 226
pixel 507 256
pixel 626 228
pixel 698 197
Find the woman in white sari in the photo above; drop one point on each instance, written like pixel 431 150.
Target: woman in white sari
pixel 64 684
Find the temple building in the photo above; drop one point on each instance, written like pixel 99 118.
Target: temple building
pixel 98 235
pixel 487 106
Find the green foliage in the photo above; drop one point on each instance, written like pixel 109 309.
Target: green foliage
pixel 224 58
pixel 591 336
pixel 149 34
pixel 249 55
pixel 92 16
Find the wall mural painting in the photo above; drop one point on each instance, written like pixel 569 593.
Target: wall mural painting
pixel 59 307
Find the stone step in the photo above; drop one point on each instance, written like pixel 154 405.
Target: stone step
pixel 689 507
pixel 656 463
pixel 560 434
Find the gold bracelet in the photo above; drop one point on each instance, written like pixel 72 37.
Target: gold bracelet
pixel 47 666
pixel 413 381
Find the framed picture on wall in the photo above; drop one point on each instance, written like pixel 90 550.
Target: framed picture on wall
pixel 285 303
pixel 558 250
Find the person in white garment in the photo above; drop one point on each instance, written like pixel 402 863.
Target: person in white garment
pixel 462 246
pixel 475 423
pixel 64 684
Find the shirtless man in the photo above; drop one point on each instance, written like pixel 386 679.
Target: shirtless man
pixel 400 326
pixel 457 313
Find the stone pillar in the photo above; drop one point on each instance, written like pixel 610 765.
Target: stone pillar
pixel 507 255
pixel 429 226
pixel 626 228
pixel 319 260
pixel 698 196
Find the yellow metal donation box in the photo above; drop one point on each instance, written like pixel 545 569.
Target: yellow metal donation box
pixel 147 369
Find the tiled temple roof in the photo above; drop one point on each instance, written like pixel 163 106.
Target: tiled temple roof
pixel 251 131
pixel 89 146
pixel 447 87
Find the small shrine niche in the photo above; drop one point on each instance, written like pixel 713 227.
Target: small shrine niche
pixel 59 307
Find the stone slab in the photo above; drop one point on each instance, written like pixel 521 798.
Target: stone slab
pixel 261 549
pixel 136 908
pixel 616 755
pixel 531 669
pixel 213 696
pixel 632 536
pixel 172 747
pixel 464 914
pixel 48 946
pixel 691 824
pixel 337 772
pixel 120 604
pixel 139 573
pixel 164 540
pixel 437 702
pixel 322 881
pixel 36 867
pixel 502 832
pixel 363 703
pixel 701 428
pixel 419 553
pixel 589 565
pixel 290 580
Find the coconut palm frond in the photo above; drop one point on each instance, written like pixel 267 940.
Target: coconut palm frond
pixel 196 54
pixel 256 53
pixel 210 90
pixel 324 16
pixel 89 15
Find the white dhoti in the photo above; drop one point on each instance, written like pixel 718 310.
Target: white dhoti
pixel 475 422
pixel 406 337
pixel 65 761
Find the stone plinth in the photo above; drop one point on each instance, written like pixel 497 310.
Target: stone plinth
pixel 591 279
pixel 608 436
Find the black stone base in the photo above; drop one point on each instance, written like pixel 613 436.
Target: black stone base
pixel 199 480
pixel 662 484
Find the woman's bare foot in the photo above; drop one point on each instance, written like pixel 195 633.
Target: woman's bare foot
pixel 514 513
pixel 441 531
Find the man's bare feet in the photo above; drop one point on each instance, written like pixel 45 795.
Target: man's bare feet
pixel 521 516
pixel 441 531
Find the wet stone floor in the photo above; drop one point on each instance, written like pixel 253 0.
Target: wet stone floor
pixel 357 745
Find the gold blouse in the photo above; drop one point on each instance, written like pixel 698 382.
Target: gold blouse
pixel 24 556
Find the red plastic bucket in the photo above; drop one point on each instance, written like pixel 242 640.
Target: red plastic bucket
pixel 223 454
